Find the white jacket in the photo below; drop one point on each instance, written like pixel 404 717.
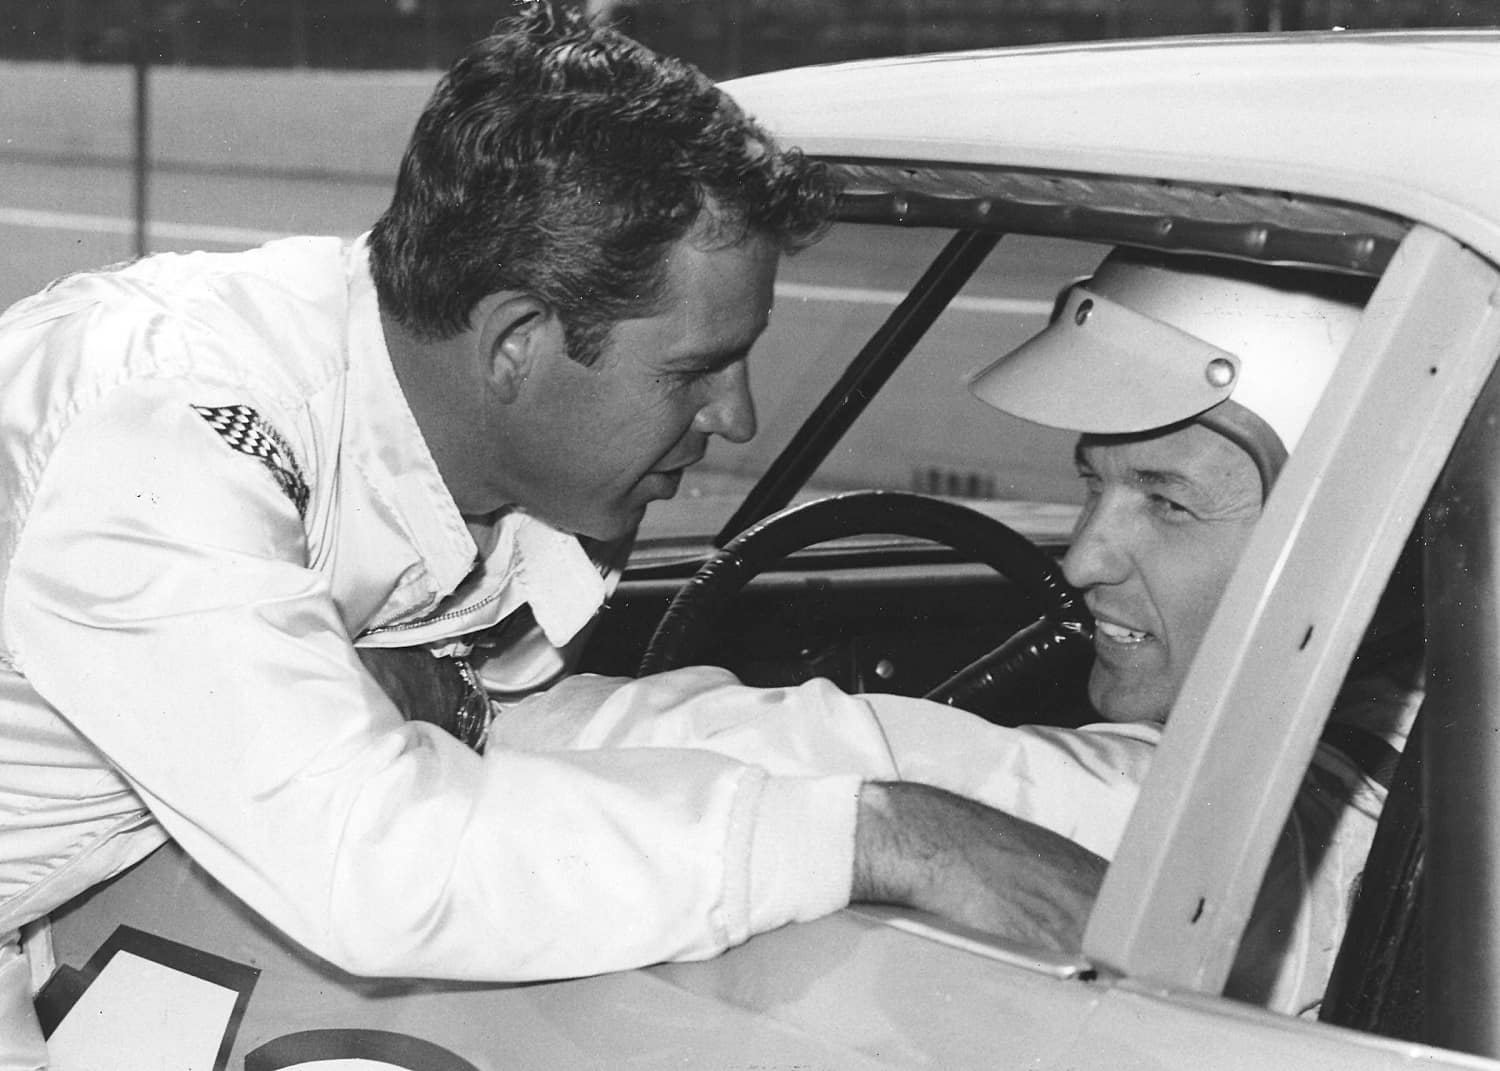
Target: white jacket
pixel 212 488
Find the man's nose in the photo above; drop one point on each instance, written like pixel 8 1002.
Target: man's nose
pixel 1097 556
pixel 730 410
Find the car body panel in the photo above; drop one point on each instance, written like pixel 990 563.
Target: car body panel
pixel 1366 118
pixel 859 990
pixel 859 978
pixel 627 1019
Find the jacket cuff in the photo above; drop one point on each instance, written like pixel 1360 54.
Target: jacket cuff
pixel 802 849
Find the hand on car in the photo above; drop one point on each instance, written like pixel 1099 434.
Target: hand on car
pixel 926 848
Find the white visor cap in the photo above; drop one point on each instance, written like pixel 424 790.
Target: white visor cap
pixel 1152 340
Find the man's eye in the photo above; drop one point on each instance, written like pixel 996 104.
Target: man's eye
pixel 683 378
pixel 694 375
pixel 1169 508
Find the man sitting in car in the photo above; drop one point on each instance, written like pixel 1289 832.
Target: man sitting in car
pixel 1190 381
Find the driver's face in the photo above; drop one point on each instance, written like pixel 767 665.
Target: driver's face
pixel 1165 520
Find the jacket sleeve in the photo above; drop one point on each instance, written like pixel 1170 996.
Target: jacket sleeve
pixel 160 599
pixel 1081 784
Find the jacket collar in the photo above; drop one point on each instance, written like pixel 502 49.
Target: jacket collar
pixel 546 567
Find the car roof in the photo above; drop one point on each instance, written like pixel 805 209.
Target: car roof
pixel 1405 122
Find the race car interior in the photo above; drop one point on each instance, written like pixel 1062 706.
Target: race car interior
pixel 878 594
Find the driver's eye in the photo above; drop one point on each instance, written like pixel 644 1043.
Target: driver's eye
pixel 1168 507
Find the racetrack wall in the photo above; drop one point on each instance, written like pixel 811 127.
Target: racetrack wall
pixel 333 123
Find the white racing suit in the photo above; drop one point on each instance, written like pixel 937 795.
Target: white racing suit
pixel 213 489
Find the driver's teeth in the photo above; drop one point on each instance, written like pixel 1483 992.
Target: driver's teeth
pixel 1119 632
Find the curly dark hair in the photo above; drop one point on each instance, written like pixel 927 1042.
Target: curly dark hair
pixel 562 159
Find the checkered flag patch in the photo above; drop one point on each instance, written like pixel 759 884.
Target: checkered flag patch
pixel 244 430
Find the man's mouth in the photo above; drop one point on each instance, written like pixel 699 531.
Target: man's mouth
pixel 663 483
pixel 673 477
pixel 1118 633
pixel 676 469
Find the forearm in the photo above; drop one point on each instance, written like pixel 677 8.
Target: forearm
pixel 915 844
pixel 926 848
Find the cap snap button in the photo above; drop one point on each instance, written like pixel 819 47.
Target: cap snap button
pixel 1219 372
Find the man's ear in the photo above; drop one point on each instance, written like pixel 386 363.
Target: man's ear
pixel 517 332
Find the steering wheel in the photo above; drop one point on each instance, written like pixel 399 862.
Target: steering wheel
pixel 1058 642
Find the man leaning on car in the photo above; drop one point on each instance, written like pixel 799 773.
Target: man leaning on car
pixel 226 475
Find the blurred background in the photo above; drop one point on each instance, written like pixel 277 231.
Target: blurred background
pixel 724 37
